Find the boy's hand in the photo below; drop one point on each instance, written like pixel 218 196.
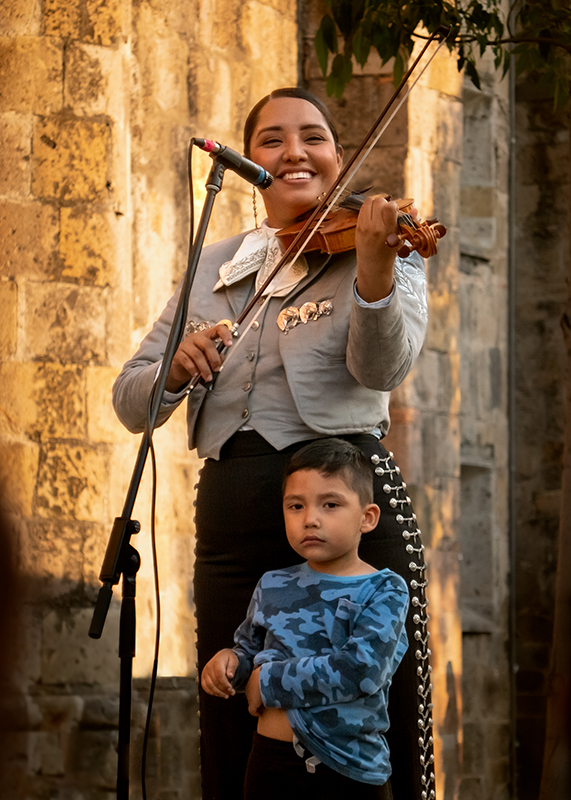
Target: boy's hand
pixel 216 675
pixel 253 695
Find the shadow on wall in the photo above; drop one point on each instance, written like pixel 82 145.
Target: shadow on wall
pixel 59 736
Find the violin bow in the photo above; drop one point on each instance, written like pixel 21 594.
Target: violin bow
pixel 332 195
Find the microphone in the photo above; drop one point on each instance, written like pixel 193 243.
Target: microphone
pixel 245 168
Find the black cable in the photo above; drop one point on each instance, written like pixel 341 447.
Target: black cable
pixel 149 433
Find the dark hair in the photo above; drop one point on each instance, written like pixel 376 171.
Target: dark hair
pixel 333 457
pixel 293 91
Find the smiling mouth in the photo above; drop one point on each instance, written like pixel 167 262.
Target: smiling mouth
pixel 296 176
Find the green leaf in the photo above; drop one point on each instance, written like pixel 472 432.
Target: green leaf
pixel 321 50
pixel 398 69
pixel 340 75
pixel 361 47
pixel 329 32
pixel 472 73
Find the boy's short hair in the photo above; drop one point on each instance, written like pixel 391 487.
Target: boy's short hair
pixel 335 457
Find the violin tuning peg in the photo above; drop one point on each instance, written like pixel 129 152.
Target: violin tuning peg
pixel 404 251
pixel 393 240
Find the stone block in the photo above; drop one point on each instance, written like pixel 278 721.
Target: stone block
pixel 426 379
pixel 16 137
pixel 60 713
pixel 21 19
pixel 18 471
pixel 101 711
pixel 62 18
pixel 443 321
pixel 59 394
pixel 70 160
pixel 31 75
pixel 95 81
pixel 66 323
pixel 72 482
pixel 94 546
pixel 28 239
pixel 443 75
pixel 46 754
pixel 9 312
pixel 70 656
pixel 53 555
pixel 87 246
pixel 102 422
pixel 405 440
pixel 42 400
pixel 106 21
pixel 93 760
pixel 27 650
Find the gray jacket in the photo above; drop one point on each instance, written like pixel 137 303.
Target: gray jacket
pixel 339 368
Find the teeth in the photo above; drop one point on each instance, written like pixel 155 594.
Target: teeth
pixel 291 176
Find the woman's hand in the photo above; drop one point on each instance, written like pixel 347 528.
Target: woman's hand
pixel 197 355
pixel 253 694
pixel 216 675
pixel 375 259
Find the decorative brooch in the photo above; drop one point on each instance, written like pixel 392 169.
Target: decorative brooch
pixel 192 326
pixel 292 316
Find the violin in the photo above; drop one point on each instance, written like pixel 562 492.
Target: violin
pixel 336 234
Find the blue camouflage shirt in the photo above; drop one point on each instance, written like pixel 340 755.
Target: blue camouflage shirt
pixel 329 646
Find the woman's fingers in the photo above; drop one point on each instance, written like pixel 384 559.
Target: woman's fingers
pixel 198 355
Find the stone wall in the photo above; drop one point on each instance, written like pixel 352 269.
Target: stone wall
pixel 97 106
pixel 484 502
pixel 542 270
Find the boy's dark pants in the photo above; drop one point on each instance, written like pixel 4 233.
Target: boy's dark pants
pixel 275 771
pixel 241 535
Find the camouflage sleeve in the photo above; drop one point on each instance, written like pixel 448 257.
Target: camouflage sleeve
pixel 374 643
pixel 248 641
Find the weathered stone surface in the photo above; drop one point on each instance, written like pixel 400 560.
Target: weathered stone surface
pixel 15 138
pixel 70 160
pixel 18 474
pixel 42 400
pixel 65 323
pixel 91 20
pixel 72 482
pixel 70 656
pixel 21 19
pixel 62 18
pixel 102 422
pixel 28 239
pixel 9 309
pixel 87 246
pixel 30 75
pixel 53 557
pixel 95 81
pixel 90 748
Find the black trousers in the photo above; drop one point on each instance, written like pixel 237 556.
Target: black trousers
pixel 241 535
pixel 275 771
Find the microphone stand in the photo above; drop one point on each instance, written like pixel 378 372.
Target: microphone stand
pixel 121 559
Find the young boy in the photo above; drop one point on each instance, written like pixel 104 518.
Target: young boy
pixel 321 642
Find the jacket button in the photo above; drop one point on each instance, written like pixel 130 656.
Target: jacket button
pixel 255 325
pixel 245 414
pixel 250 355
pixel 246 387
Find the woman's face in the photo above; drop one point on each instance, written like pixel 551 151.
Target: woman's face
pixel 293 141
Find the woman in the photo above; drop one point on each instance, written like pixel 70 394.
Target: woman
pixel 294 377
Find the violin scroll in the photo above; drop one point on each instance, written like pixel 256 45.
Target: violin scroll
pixel 423 237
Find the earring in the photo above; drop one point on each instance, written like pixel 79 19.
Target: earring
pixel 255 207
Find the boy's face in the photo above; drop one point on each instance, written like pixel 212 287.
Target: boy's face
pixel 324 520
